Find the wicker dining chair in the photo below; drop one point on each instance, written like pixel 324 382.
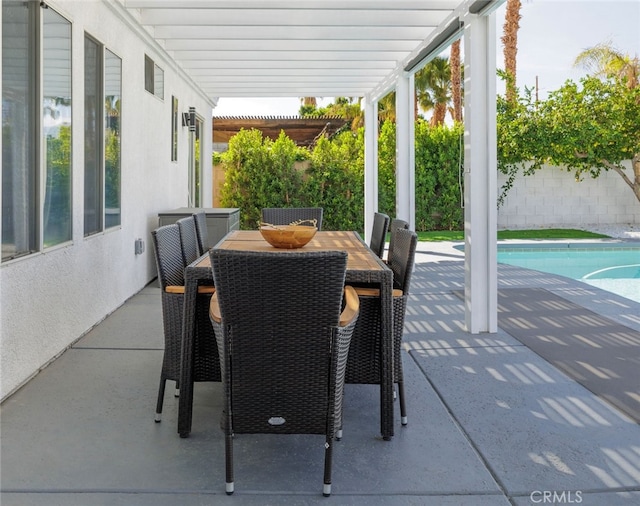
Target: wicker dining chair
pixel 283 343
pixel 364 362
pixel 202 233
pixel 170 264
pixel 379 233
pixel 288 215
pixel 189 239
pixel 396 223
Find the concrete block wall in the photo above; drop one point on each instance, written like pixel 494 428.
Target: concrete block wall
pixel 552 197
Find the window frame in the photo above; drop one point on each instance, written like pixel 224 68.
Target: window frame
pixel 43 158
pixel 102 131
pixel 107 120
pixel 175 119
pixel 97 155
pixel 24 231
pixel 153 77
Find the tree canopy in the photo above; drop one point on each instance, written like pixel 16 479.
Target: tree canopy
pixel 585 127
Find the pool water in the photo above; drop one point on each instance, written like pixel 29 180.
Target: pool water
pixel 615 268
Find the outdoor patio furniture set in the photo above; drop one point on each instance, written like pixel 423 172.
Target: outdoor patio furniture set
pixel 283 330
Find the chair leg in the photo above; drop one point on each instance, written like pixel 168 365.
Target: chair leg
pixel 403 406
pixel 163 381
pixel 328 456
pixel 228 448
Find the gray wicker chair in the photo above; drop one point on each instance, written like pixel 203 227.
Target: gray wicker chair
pixel 396 223
pixel 364 361
pixel 170 263
pixel 283 344
pixel 379 233
pixel 288 215
pixel 189 239
pixel 202 234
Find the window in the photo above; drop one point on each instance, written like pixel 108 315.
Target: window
pixel 148 74
pixel 56 127
pixel 102 87
pixel 158 82
pixel 92 136
pixel 195 158
pixel 112 168
pixel 36 128
pixel 174 129
pixel 153 78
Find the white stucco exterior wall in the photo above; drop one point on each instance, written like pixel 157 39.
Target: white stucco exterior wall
pixel 551 197
pixel 50 299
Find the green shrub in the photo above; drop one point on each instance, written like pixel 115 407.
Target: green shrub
pixel 438 162
pixel 262 173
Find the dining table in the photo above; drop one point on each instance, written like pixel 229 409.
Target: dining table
pixel 364 267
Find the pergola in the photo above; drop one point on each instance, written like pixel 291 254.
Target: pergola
pixel 354 48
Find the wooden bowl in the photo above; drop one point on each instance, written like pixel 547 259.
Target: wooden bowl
pixel 287 236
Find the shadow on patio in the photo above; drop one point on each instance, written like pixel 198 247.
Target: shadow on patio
pixel 490 421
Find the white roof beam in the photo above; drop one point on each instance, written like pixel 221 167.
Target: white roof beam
pixel 280 32
pixel 290 17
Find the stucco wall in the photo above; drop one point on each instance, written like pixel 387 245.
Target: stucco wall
pixel 50 299
pixel 552 197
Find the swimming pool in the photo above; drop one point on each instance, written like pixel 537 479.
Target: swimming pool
pixel 611 266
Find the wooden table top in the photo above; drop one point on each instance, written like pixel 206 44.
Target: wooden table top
pixel 360 258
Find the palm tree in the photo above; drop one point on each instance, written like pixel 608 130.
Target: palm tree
pixel 308 106
pixel 510 42
pixel 309 101
pixel 349 108
pixel 433 89
pixel 456 81
pixel 606 61
pixel 387 108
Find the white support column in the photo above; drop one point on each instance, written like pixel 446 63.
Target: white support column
pixel 405 150
pixel 370 164
pixel 412 154
pixel 480 175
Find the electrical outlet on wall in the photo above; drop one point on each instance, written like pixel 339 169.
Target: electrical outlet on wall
pixel 139 246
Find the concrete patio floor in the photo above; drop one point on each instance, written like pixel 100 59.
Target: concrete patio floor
pixel 490 422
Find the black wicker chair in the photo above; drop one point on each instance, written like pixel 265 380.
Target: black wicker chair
pixel 396 223
pixel 379 233
pixel 364 361
pixel 288 215
pixel 283 344
pixel 170 263
pixel 202 234
pixel 189 239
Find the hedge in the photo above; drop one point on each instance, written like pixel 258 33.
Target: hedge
pixel 260 172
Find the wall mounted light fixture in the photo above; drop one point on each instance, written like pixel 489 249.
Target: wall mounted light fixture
pixel 189 119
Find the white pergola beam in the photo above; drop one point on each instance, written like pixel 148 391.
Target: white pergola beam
pixel 315 33
pixel 345 55
pixel 280 44
pixel 294 4
pixel 275 18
